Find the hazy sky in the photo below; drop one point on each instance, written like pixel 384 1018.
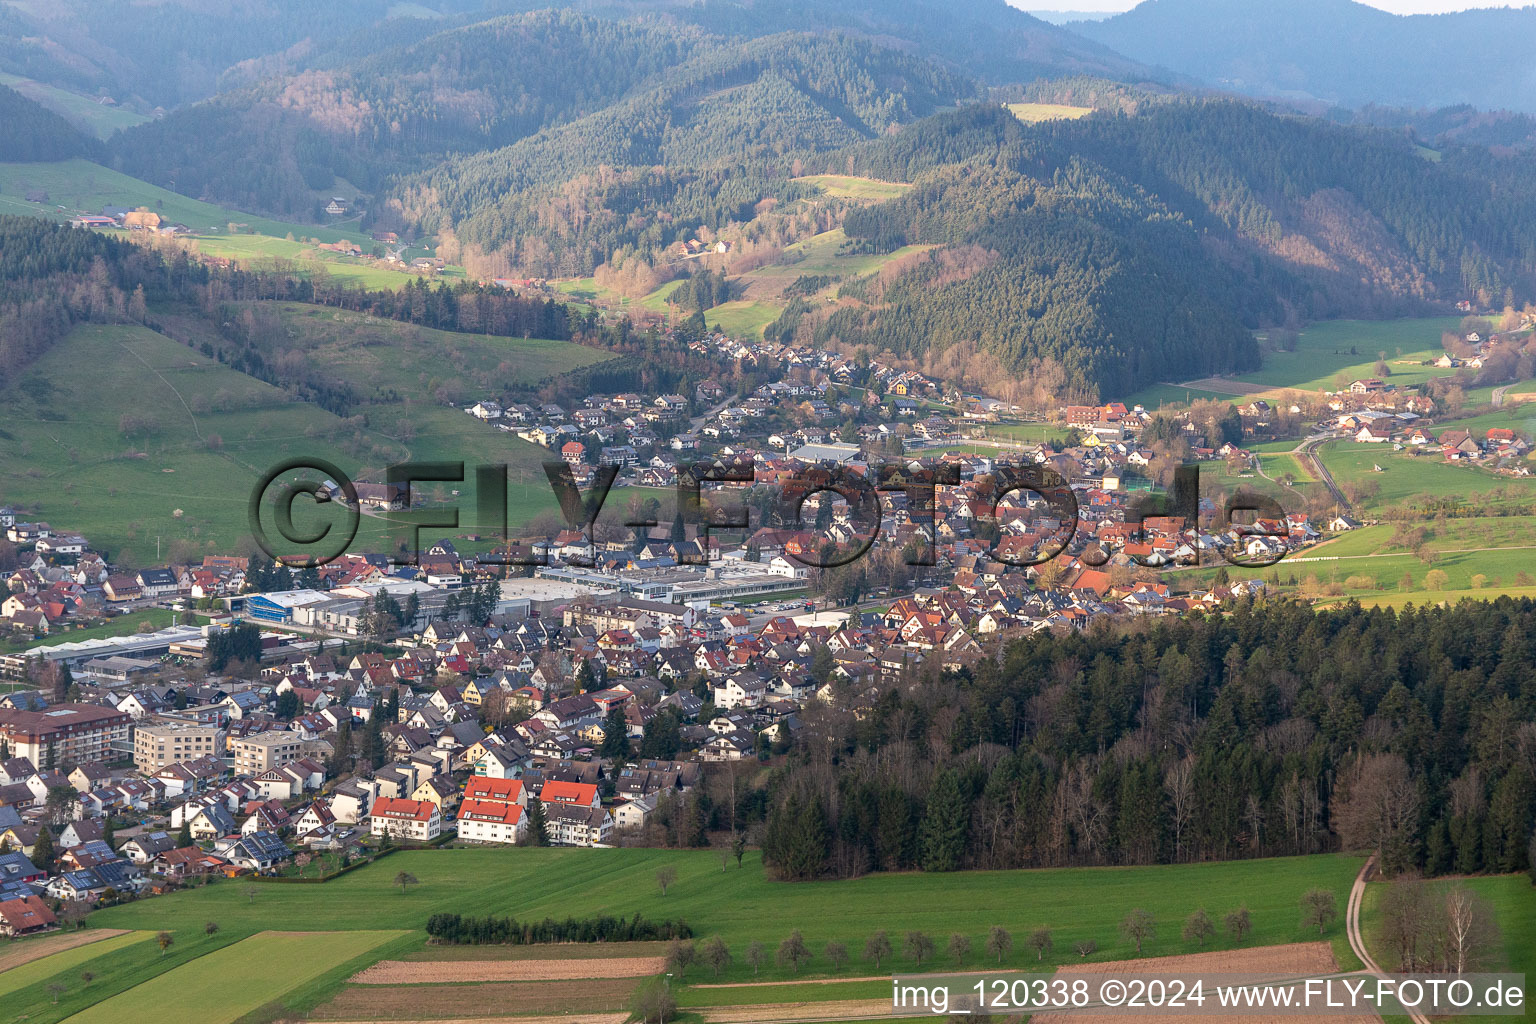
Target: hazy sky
pixel 1395 6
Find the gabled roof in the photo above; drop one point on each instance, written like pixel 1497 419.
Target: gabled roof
pixel 568 792
pixel 479 787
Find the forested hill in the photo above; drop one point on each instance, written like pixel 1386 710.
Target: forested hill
pixel 986 38
pixel 1128 249
pixel 745 109
pixel 272 146
pixel 33 132
pixel 161 54
pixel 1335 50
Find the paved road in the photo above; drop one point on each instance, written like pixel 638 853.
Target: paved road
pixel 1307 450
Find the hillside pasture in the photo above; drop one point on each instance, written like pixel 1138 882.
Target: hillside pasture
pixel 79 186
pixel 162 455
pixel 1349 349
pixel 91 116
pixel 1034 113
pixel 848 186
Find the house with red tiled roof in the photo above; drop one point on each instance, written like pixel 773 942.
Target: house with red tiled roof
pixel 418 820
pixel 25 915
pixel 581 794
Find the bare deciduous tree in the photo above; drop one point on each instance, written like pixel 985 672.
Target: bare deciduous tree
pixel 1139 926
pixel 1318 909
pixel 1470 932
pixel 1180 784
pixel 1376 807
pixel 1000 942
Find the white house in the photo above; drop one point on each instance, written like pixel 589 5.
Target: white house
pixel 416 820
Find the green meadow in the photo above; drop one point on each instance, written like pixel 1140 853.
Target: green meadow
pixel 90 115
pixel 160 464
pixel 230 982
pixel 1512 899
pixel 743 905
pixel 1349 348
pixel 80 186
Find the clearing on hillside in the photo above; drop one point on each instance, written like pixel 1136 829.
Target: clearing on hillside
pixel 848 186
pixel 1033 113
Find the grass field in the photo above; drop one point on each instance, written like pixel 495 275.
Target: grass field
pixel 1027 433
pixel 1350 347
pixel 743 905
pixel 1156 396
pixel 847 186
pixel 18 978
pixel 264 252
pixel 230 982
pixel 819 255
pixel 1031 113
pixel 194 428
pixel 180 433
pixel 743 317
pixel 1406 475
pixel 83 112
pixel 1513 900
pixel 375 354
pixel 1439 535
pixel 83 187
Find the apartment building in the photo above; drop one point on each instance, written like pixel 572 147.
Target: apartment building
pixel 265 750
pixel 160 744
pixel 64 734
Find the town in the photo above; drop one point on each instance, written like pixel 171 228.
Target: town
pixel 306 712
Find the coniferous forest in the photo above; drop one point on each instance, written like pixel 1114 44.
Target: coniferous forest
pixel 1272 730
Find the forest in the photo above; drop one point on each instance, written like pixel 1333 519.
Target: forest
pixel 1272 730
pixel 33 133
pixel 1132 248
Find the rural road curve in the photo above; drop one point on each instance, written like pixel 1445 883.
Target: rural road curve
pixel 1357 938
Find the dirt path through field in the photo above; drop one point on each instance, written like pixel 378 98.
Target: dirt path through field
pixel 584 1018
pixel 841 1009
pixel 418 972
pixel 28 950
